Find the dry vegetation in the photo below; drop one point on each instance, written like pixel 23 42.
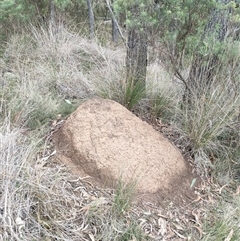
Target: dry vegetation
pixel 44 77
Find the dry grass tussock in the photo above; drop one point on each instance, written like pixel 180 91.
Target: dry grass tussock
pixel 41 69
pixel 211 121
pixel 212 124
pixel 80 63
pixel 163 93
pixel 222 221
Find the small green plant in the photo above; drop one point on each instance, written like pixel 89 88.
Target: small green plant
pixel 133 232
pixel 124 195
pixel 161 106
pixel 125 93
pixel 67 107
pixel 133 93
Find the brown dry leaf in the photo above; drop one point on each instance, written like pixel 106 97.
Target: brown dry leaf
pixel 210 199
pixel 196 215
pixel 85 194
pixel 179 235
pixel 162 216
pixel 199 230
pixel 197 199
pixel 229 237
pixel 220 190
pixel 143 221
pixel 91 237
pixel 95 203
pixel 162 223
pixel 177 226
pixel 237 191
pixel 40 163
pixel 54 123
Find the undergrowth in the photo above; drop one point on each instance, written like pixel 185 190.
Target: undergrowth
pixel 45 76
pixel 222 222
pixel 39 201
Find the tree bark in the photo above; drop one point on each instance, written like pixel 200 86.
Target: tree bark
pixel 204 67
pixel 115 26
pixel 136 60
pixel 90 19
pixel 52 22
pixel 114 31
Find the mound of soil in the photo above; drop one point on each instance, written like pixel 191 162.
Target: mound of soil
pixel 106 141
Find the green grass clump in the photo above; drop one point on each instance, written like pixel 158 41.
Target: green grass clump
pixel 125 93
pixel 112 218
pixel 206 122
pixel 133 93
pixel 133 233
pixel 159 106
pixel 124 196
pixel 223 221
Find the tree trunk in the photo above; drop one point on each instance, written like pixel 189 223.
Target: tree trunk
pixel 90 19
pixel 136 60
pixel 52 22
pixel 115 32
pixel 205 67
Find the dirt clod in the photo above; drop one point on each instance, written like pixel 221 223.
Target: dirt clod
pixel 106 141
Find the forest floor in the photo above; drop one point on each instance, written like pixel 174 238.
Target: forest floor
pixel 44 78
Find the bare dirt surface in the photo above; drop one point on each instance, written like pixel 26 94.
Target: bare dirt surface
pixel 105 141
